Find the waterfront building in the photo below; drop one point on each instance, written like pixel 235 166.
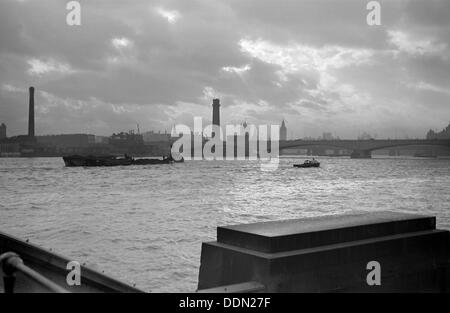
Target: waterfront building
pixel 123 139
pixel 365 136
pixel 9 149
pixel 444 134
pixel 283 131
pixel 66 140
pixel 152 136
pixel 327 136
pixel 101 140
pixel 2 131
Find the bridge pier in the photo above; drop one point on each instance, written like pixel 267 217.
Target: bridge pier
pixel 361 154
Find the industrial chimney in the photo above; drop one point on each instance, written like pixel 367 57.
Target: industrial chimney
pixel 216 115
pixel 216 112
pixel 31 113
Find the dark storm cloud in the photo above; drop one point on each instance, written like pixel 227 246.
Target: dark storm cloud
pixel 157 63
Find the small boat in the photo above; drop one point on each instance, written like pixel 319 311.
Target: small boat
pixel 308 163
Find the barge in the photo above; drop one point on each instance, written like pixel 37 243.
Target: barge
pixel 110 160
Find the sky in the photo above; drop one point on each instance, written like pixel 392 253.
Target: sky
pixel 316 64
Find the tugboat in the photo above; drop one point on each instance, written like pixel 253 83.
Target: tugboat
pixel 308 163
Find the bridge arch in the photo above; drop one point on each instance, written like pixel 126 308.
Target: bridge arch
pixel 407 145
pixel 334 146
pixel 363 148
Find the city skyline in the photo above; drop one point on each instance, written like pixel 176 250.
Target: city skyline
pixel 156 65
pixel 326 135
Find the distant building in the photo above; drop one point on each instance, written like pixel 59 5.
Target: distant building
pixel 327 136
pixel 9 149
pixel 283 131
pixel 444 134
pixel 101 140
pixel 152 136
pixel 66 140
pixel 128 138
pixel 17 145
pixel 365 136
pixel 2 131
pixel 130 142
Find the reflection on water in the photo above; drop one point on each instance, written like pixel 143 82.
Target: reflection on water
pixel 145 224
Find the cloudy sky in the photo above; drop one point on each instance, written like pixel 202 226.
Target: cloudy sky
pixel 317 64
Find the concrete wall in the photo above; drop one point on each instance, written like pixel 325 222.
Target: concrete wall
pixel 331 254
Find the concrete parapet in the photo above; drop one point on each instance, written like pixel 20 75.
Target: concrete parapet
pixel 330 254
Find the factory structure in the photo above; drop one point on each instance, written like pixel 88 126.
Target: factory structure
pixel 32 145
pixel 132 143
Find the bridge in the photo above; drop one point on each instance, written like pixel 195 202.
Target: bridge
pixel 363 148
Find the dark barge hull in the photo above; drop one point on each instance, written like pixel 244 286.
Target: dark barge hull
pixel 76 160
pixel 307 165
pixel 151 161
pixel 95 161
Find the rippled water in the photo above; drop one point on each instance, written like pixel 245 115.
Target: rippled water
pixel 145 224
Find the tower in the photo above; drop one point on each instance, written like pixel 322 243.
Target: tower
pixel 216 112
pixel 283 131
pixel 31 113
pixel 2 131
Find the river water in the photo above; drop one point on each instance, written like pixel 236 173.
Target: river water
pixel 145 224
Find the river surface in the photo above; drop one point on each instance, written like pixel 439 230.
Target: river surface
pixel 145 224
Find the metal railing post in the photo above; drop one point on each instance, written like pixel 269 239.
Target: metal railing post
pixel 8 261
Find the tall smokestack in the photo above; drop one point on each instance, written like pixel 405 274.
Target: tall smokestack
pixel 216 112
pixel 216 115
pixel 31 113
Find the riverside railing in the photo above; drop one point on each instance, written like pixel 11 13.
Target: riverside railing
pixel 11 263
